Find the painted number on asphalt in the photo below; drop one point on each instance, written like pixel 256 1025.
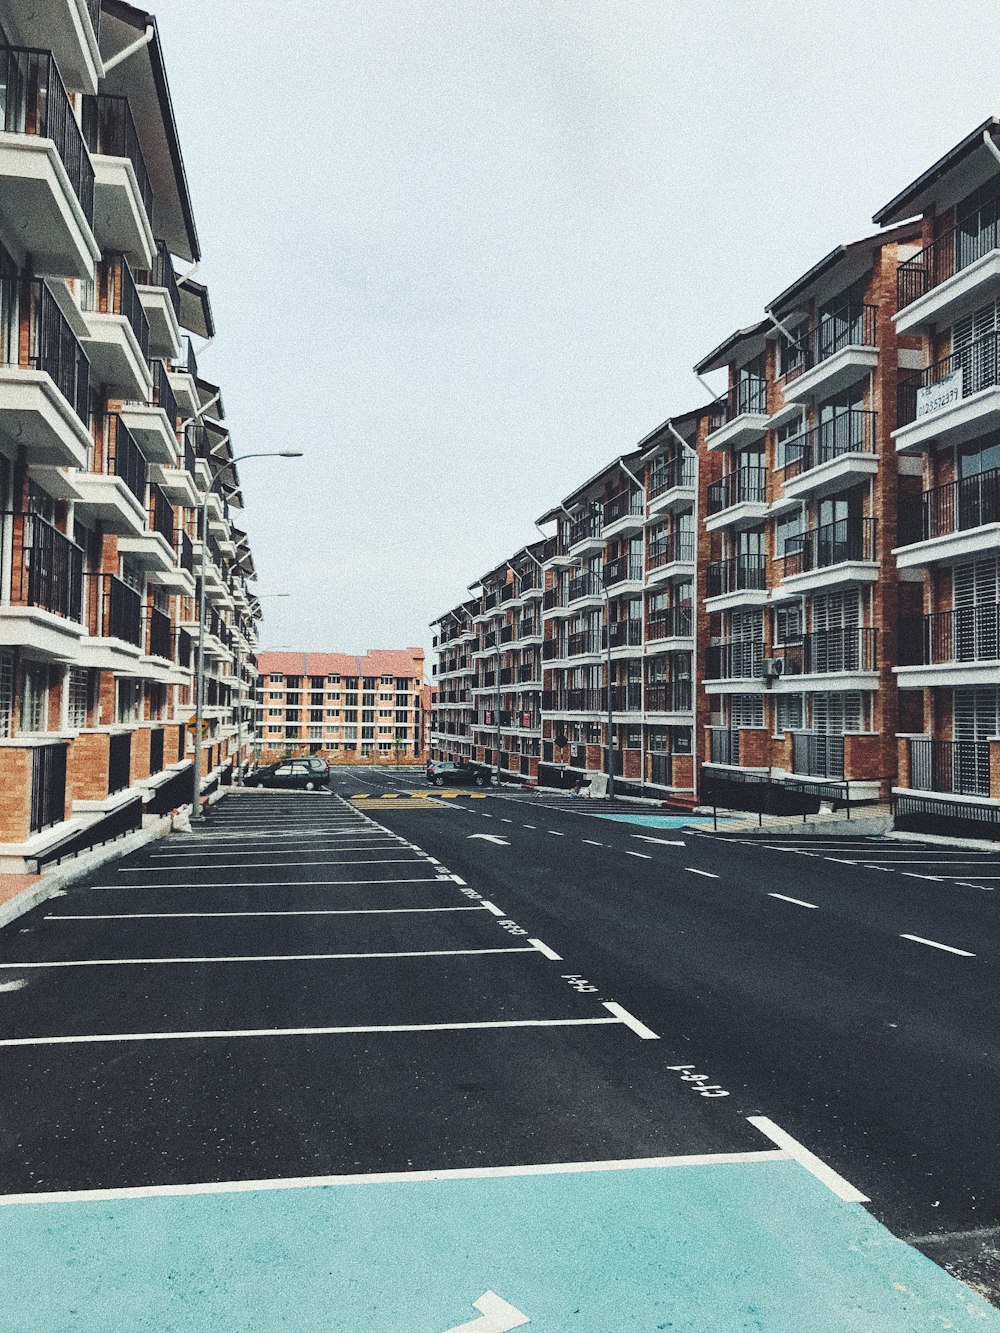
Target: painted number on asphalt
pixel 698 1082
pixel 579 983
pixel 511 927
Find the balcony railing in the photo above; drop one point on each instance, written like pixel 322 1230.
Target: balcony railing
pixel 672 696
pixel 748 396
pixel 528 672
pixel 748 485
pixel 48 786
pixel 737 659
pixel 667 474
pixel 976 366
pixel 661 769
pixel 505 593
pixel 119 761
pixel 629 503
pixel 853 325
pixel 159 636
pixel 156 750
pixel 849 433
pixel 624 568
pixel 673 623
pixel 34 334
pixel 161 515
pixel 583 643
pixel 489 640
pixel 832 544
pixel 624 634
pixel 589 525
pixel 489 602
pixel 35 101
pixel 125 459
pixel 674 548
pixel 551 648
pixel 46 569
pixel 109 130
pixel 163 396
pixel 118 610
pixel 183 648
pixel 970 502
pixel 120 296
pixel 586 585
pixel 724 745
pixel 959 767
pixel 817 754
pixel 550 599
pixel 739 573
pixel 185 552
pixel 507 634
pixel 948 255
pixel 162 275
pixel 627 698
pixel 577 700
pixel 846 648
pixel 965 634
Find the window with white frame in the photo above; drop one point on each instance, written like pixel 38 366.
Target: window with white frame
pixel 788 712
pixel 79 687
pixel 6 692
pixel 129 700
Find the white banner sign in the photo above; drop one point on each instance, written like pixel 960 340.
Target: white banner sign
pixel 942 394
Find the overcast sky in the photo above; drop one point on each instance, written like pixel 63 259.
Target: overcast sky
pixel 463 253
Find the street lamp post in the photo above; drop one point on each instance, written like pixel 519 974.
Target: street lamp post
pixel 239 699
pixel 199 695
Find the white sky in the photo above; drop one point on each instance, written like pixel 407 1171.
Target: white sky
pixel 463 252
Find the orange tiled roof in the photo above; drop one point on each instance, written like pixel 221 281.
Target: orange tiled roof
pixel 408 662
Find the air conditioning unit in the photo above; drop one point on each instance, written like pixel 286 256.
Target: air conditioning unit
pixel 773 668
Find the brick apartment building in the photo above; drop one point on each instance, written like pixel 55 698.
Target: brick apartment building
pixel 109 438
pixel 341 706
pixel 794 590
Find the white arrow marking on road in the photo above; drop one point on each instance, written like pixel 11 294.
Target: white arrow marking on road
pixel 489 837
pixel 664 842
pixel 497 1316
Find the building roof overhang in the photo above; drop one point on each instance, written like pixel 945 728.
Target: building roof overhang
pixel 748 342
pixel 196 308
pixel 922 192
pixel 845 263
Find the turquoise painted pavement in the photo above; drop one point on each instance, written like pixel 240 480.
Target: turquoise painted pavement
pixel 664 821
pixel 716 1248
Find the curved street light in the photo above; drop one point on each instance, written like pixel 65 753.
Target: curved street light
pixel 196 811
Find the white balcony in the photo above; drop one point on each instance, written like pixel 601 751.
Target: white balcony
pixel 120 220
pixel 826 577
pixel 674 497
pixel 39 207
pixel 957 420
pixel 164 331
pixel 36 416
pixel 150 551
pixel 151 428
pixel 743 514
pixel 176 482
pixel 115 356
pixel 185 391
pixel 948 674
pixel 835 474
pixel 971 287
pixel 744 428
pixel 63 27
pixel 950 547
pixel 109 500
pixel 833 374
pixel 51 636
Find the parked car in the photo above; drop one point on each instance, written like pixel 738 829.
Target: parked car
pixel 446 773
pixel 301 774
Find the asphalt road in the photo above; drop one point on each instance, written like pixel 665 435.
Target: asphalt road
pixel 783 967
pixel 357 1064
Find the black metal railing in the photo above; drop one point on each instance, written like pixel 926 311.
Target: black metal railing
pixel 588 525
pixel 851 432
pixel 845 648
pixel 550 599
pixel 34 334
pixel 627 698
pixel 119 761
pixel 159 635
pixel 155 750
pixel 623 633
pixel 190 362
pixel 184 643
pixel 724 745
pixel 976 366
pixel 505 593
pixel 832 544
pixel 629 503
pixel 161 514
pixel 164 397
pixel 46 568
pixel 551 648
pixel 818 754
pixel 748 396
pixel 669 696
pixel 748 485
pixel 507 634
pixel 853 325
pixel 125 459
pixel 622 569
pixel 970 502
pixel 667 474
pixel 737 574
pixel 35 102
pixel 488 640
pixel 583 643
pixel 736 659
pixel 162 275
pixel 48 786
pixel 109 130
pixel 949 254
pixel 527 672
pixel 960 767
pixel 489 602
pixel 185 552
pixel 118 609
pixel 585 585
pixel 964 634
pixel 121 297
pixel 673 623
pixel 661 769
pixel 674 548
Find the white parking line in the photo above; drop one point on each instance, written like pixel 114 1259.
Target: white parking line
pixel 934 944
pixel 544 949
pixel 707 873
pixel 841 1187
pixel 265 958
pixel 267 865
pixel 556 834
pixel 664 842
pixel 85 1039
pixel 591 843
pixel 631 1021
pixel 272 883
pixel 912 874
pixel 643 856
pixel 530 826
pixel 306 911
pixel 492 907
pixel 797 901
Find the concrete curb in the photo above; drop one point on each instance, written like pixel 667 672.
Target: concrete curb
pixel 54 881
